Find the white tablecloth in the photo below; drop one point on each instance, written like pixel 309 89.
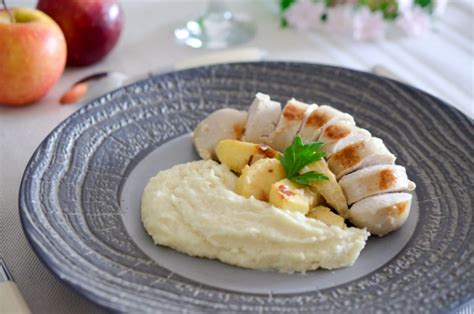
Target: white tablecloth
pixel 440 63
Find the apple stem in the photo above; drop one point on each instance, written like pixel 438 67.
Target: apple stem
pixel 12 18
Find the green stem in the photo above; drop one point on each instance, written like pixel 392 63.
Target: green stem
pixel 12 17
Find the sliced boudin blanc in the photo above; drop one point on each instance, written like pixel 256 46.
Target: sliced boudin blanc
pixel 318 119
pixel 340 134
pixel 360 154
pixel 375 180
pixel 290 122
pixel 308 113
pixel 222 124
pixel 263 116
pixel 381 214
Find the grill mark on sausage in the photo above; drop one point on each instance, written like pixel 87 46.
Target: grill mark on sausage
pixel 348 156
pixel 238 130
pixel 317 119
pixel 386 179
pixel 292 112
pixel 398 209
pixel 336 132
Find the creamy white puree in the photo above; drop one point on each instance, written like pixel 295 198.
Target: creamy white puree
pixel 193 209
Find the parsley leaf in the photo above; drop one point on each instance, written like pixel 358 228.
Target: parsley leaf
pixel 297 156
pixel 307 177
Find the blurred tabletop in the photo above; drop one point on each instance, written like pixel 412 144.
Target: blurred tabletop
pixel 440 62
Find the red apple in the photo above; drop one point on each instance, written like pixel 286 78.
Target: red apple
pixel 32 55
pixel 91 27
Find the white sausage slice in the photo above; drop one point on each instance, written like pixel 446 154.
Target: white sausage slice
pixel 290 122
pixel 340 134
pixel 375 180
pixel 311 108
pixel 318 119
pixel 262 119
pixel 222 124
pixel 382 213
pixel 360 154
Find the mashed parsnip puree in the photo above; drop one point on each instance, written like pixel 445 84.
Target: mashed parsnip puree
pixel 193 209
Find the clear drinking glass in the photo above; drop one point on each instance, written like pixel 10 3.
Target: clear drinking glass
pixel 217 28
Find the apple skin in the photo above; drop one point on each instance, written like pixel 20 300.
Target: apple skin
pixel 92 27
pixel 32 56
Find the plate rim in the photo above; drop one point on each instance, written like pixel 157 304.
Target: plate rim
pixel 90 294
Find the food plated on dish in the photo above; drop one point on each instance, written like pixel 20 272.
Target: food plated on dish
pixel 80 197
pixel 292 189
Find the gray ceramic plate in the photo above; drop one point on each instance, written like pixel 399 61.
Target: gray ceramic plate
pixel 80 197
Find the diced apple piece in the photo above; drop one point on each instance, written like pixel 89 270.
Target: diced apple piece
pixel 237 154
pixel 289 195
pixel 325 215
pixel 329 189
pixel 256 180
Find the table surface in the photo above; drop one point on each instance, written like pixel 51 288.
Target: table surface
pixel 440 62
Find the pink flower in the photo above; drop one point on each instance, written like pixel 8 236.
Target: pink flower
pixel 369 25
pixel 414 21
pixel 304 15
pixel 339 19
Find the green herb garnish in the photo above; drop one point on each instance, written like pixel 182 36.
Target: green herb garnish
pixel 299 155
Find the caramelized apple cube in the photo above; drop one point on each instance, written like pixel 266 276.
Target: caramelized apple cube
pixel 292 196
pixel 256 180
pixel 237 154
